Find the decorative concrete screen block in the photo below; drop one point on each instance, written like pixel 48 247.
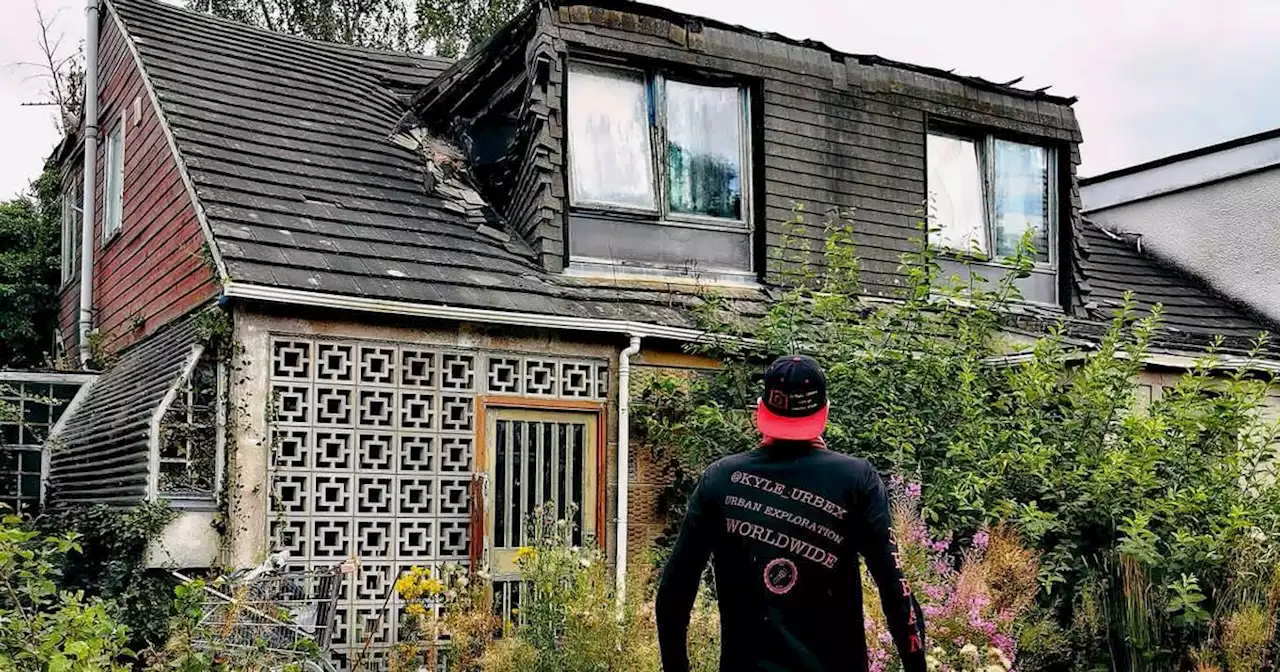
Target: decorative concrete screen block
pixel 373 449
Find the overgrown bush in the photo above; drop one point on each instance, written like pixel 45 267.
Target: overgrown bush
pixel 44 628
pixel 1146 518
pixel 571 619
pixel 111 564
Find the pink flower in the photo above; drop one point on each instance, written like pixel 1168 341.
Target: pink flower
pixel 895 482
pixel 876 667
pixel 959 641
pixel 940 545
pixel 981 539
pixel 913 490
pixel 1004 643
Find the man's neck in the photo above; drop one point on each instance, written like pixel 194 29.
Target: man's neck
pixel 791 446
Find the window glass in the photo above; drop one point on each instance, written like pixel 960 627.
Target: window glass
pixel 704 150
pixel 188 434
pixel 1021 197
pixel 609 144
pixel 955 194
pixel 115 182
pixel 71 222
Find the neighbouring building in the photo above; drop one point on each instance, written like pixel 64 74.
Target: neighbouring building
pixel 349 302
pixel 1211 211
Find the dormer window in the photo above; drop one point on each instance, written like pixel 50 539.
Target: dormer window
pixel 658 172
pixel 985 193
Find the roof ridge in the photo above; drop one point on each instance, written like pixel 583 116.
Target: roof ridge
pixel 638 7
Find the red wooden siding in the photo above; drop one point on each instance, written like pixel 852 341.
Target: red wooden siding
pixel 154 270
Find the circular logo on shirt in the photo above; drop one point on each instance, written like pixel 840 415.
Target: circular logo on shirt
pixel 780 576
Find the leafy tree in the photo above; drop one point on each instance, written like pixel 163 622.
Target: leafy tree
pixel 29 275
pixel 382 24
pixel 448 27
pixel 454 27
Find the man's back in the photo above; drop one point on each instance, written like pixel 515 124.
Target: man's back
pixel 786 524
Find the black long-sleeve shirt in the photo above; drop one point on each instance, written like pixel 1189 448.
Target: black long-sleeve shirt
pixel 786 524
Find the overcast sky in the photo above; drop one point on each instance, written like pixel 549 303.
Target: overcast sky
pixel 1154 77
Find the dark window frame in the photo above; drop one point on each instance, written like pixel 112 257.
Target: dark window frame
pixel 985 139
pixel 1058 238
pixel 655 75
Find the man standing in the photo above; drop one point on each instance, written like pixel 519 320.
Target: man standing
pixel 786 524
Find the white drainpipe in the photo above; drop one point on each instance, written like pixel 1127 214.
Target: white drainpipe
pixel 87 243
pixel 624 451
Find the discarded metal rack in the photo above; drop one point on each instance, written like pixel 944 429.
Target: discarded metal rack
pixel 289 614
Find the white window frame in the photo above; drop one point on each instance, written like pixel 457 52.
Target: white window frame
pixel 655 84
pixel 985 143
pixel 113 209
pixel 71 228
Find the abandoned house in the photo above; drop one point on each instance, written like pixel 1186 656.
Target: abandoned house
pixel 380 305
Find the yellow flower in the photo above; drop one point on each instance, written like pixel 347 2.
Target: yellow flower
pixel 416 609
pixel 415 584
pixel 432 587
pixel 526 554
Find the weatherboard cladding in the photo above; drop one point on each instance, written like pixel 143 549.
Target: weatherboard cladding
pixel 153 271
pixel 102 454
pixel 839 132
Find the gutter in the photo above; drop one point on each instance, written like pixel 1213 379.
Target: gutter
pixel 624 460
pixel 1169 360
pixel 300 297
pixel 87 243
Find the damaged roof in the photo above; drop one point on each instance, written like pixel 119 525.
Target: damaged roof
pixel 1193 313
pixel 310 179
pixel 288 145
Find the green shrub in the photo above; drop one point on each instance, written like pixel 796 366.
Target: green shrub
pixel 112 564
pixel 41 627
pixel 1109 492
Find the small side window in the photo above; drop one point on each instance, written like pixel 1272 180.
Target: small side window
pixel 189 454
pixel 72 220
pixel 113 208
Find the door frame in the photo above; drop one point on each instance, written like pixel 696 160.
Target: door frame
pixel 479 538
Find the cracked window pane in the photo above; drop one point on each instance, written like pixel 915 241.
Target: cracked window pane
pixel 610 160
pixel 1021 197
pixel 704 150
pixel 955 194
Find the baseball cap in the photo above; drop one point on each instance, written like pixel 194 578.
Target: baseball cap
pixel 794 405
